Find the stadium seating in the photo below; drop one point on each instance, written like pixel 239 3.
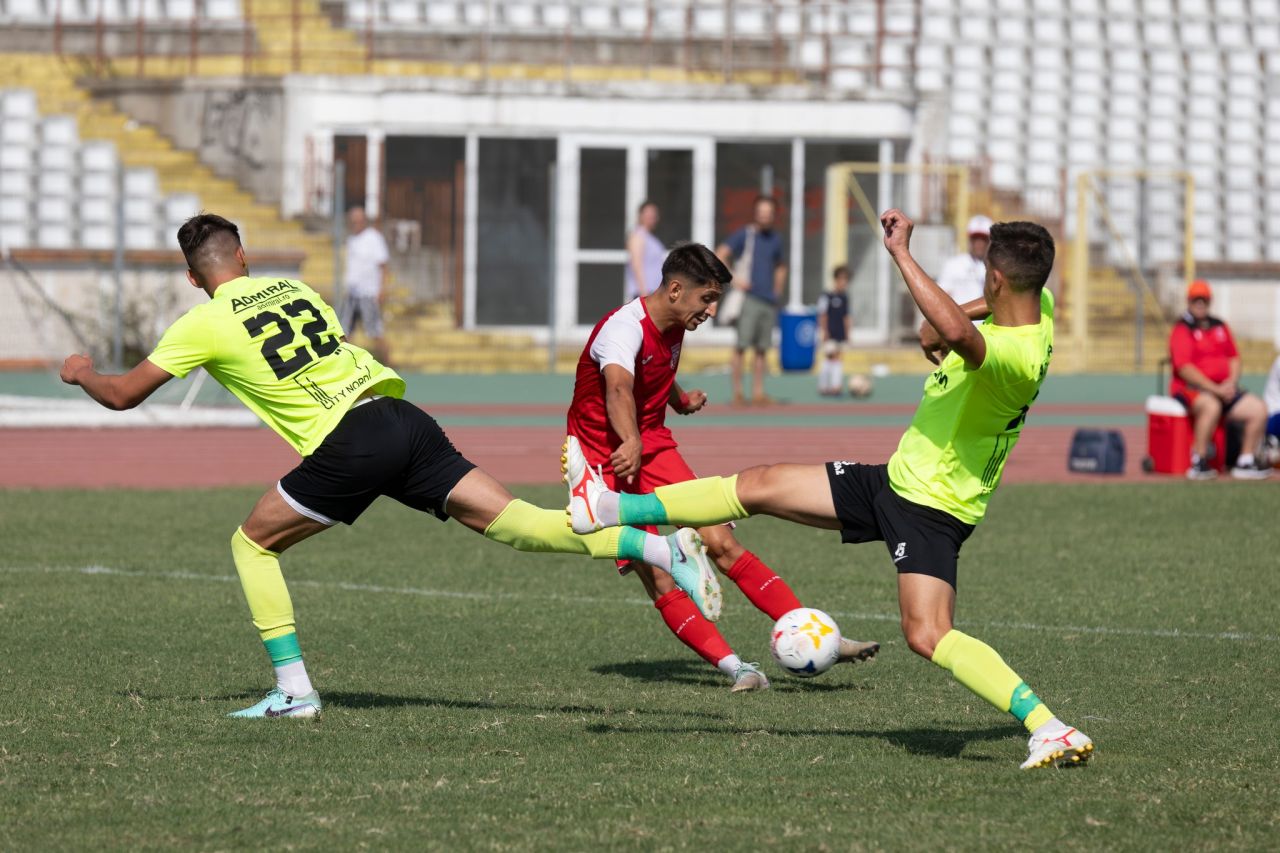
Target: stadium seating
pixel 1156 84
pixel 57 192
pixel 123 12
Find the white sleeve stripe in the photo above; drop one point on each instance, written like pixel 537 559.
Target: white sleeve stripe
pixel 619 340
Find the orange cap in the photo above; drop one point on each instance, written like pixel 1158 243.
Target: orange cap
pixel 1199 289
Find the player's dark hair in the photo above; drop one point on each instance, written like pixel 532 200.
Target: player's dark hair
pixel 1023 253
pixel 841 270
pixel 648 202
pixel 208 242
pixel 696 264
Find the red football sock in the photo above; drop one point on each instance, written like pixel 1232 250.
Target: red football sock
pixel 691 627
pixel 768 592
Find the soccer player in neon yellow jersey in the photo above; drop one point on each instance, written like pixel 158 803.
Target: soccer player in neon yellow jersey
pixel 278 347
pixel 926 501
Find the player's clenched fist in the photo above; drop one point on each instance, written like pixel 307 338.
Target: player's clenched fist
pixel 72 366
pixel 897 230
pixel 691 401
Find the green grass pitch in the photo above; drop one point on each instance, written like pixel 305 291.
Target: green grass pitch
pixel 481 699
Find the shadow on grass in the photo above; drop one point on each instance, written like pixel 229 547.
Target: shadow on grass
pixel 685 671
pixel 935 743
pixel 367 700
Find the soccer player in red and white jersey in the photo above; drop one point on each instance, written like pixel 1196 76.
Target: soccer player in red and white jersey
pixel 626 379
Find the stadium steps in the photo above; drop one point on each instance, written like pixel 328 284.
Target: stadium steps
pixel 179 171
pixel 426 340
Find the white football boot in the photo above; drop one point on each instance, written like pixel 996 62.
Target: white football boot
pixel 585 487
pixel 1063 748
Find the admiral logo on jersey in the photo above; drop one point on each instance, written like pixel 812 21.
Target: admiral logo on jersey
pixel 239 303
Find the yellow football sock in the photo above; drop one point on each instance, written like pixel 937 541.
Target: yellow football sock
pixel 526 527
pixel 695 503
pixel 980 668
pixel 263 586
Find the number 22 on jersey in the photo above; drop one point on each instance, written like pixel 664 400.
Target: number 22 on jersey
pixel 321 344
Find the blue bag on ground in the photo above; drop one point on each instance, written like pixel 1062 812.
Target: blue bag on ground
pixel 1096 451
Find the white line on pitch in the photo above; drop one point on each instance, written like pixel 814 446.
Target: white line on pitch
pixel 346 586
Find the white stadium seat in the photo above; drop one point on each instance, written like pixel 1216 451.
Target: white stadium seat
pixel 25 10
pixel 16 158
pixel 97 236
pixel 442 13
pixel 55 235
pixel 56 184
pixel 404 11
pixel 15 210
pixel 221 10
pixel 97 210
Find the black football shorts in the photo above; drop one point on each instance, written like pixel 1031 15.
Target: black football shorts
pixel 921 539
pixel 382 447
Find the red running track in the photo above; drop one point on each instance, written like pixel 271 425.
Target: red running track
pixel 176 458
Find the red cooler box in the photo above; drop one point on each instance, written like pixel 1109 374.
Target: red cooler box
pixel 1169 437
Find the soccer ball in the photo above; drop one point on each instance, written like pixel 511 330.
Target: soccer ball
pixel 805 642
pixel 860 385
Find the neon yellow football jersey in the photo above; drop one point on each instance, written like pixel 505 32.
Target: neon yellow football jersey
pixel 952 455
pixel 276 345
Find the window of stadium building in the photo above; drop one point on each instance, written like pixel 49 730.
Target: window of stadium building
pixel 513 227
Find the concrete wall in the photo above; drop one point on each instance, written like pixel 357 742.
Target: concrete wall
pixel 34 311
pixel 237 130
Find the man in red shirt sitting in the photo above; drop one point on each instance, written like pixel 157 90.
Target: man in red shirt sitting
pixel 1206 376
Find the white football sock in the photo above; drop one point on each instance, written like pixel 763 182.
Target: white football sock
pixel 1053 726
pixel 292 679
pixel 1244 460
pixel 607 509
pixel 657 551
pixel 729 665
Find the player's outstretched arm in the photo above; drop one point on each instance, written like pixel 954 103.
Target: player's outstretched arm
pixel 952 324
pixel 115 391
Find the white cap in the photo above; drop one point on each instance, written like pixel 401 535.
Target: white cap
pixel 980 225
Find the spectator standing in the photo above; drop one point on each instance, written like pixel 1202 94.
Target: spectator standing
pixel 964 274
pixel 834 323
pixel 756 253
pixel 365 282
pixel 1206 376
pixel 645 254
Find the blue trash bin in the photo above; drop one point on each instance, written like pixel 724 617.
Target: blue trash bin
pixel 799 338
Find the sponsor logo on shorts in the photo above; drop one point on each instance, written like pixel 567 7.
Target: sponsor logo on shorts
pixel 839 467
pixel 900 553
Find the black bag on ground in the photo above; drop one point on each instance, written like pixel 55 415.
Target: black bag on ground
pixel 1096 451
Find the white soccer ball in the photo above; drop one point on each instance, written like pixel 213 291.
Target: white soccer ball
pixel 860 386
pixel 805 642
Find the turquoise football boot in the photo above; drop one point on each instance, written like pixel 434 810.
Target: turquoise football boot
pixel 280 704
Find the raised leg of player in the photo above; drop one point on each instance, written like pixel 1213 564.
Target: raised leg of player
pixel 487 507
pixel 272 527
pixel 799 493
pixel 927 605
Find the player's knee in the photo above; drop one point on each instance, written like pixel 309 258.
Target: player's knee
pixel 923 635
pixel 755 485
pixel 723 549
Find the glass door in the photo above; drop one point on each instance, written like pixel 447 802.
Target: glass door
pixel 603 180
